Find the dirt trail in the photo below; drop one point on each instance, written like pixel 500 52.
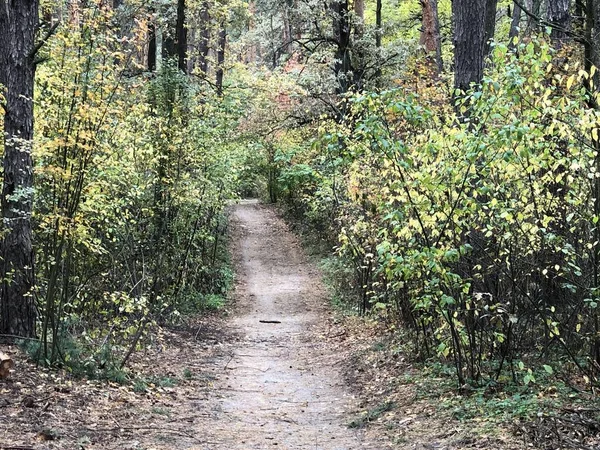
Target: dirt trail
pixel 280 388
pixel 211 384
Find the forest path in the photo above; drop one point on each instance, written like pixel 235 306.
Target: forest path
pixel 280 388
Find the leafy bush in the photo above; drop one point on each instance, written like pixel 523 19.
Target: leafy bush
pixel 480 234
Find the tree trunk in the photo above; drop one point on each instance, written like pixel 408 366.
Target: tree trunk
pixel 430 34
pixel 359 10
pixel 181 37
pixel 18 23
pixel 152 47
pixel 288 29
pixel 534 6
pixel 514 26
pixel 204 39
pixel 221 58
pixel 341 28
pixel 491 7
pixel 469 39
pixel 378 24
pixel 558 15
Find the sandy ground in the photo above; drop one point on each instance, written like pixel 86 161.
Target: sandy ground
pixel 281 387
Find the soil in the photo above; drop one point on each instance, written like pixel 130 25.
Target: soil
pixel 282 386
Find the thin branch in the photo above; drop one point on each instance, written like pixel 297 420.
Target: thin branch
pixel 48 35
pixel 576 37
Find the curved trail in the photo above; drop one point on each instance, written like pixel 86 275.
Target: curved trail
pixel 280 388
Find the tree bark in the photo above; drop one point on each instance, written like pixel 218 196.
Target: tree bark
pixel 204 39
pixel 469 35
pixel 430 34
pixel 558 15
pixel 181 37
pixel 221 58
pixel 534 6
pixel 491 7
pixel 342 66
pixel 514 25
pixel 378 24
pixel 152 47
pixel 359 10
pixel 18 22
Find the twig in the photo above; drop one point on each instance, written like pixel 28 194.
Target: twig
pixel 230 359
pixel 154 428
pixel 14 336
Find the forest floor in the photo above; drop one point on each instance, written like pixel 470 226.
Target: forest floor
pixel 280 370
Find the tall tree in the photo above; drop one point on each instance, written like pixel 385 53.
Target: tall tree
pixel 430 34
pixel 534 6
pixel 18 24
pixel 342 66
pixel 221 58
pixel 204 39
pixel 378 23
pixel 491 9
pixel 181 36
pixel 474 25
pixel 560 18
pixel 514 25
pixel 468 42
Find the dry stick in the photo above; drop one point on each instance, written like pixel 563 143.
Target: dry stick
pixel 14 336
pixel 155 428
pixel 137 337
pixel 12 447
pixel 230 359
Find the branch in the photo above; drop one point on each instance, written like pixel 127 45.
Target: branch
pixel 40 44
pixel 576 37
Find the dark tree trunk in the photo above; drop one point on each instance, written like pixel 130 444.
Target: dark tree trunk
pixel 514 25
pixel 221 58
pixel 534 6
pixel 378 36
pixel 341 28
pixel 491 7
pixel 592 45
pixel 181 37
pixel 18 22
pixel 378 24
pixel 559 16
pixel 169 49
pixel 430 34
pixel 117 3
pixel 152 47
pixel 469 39
pixel 204 40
